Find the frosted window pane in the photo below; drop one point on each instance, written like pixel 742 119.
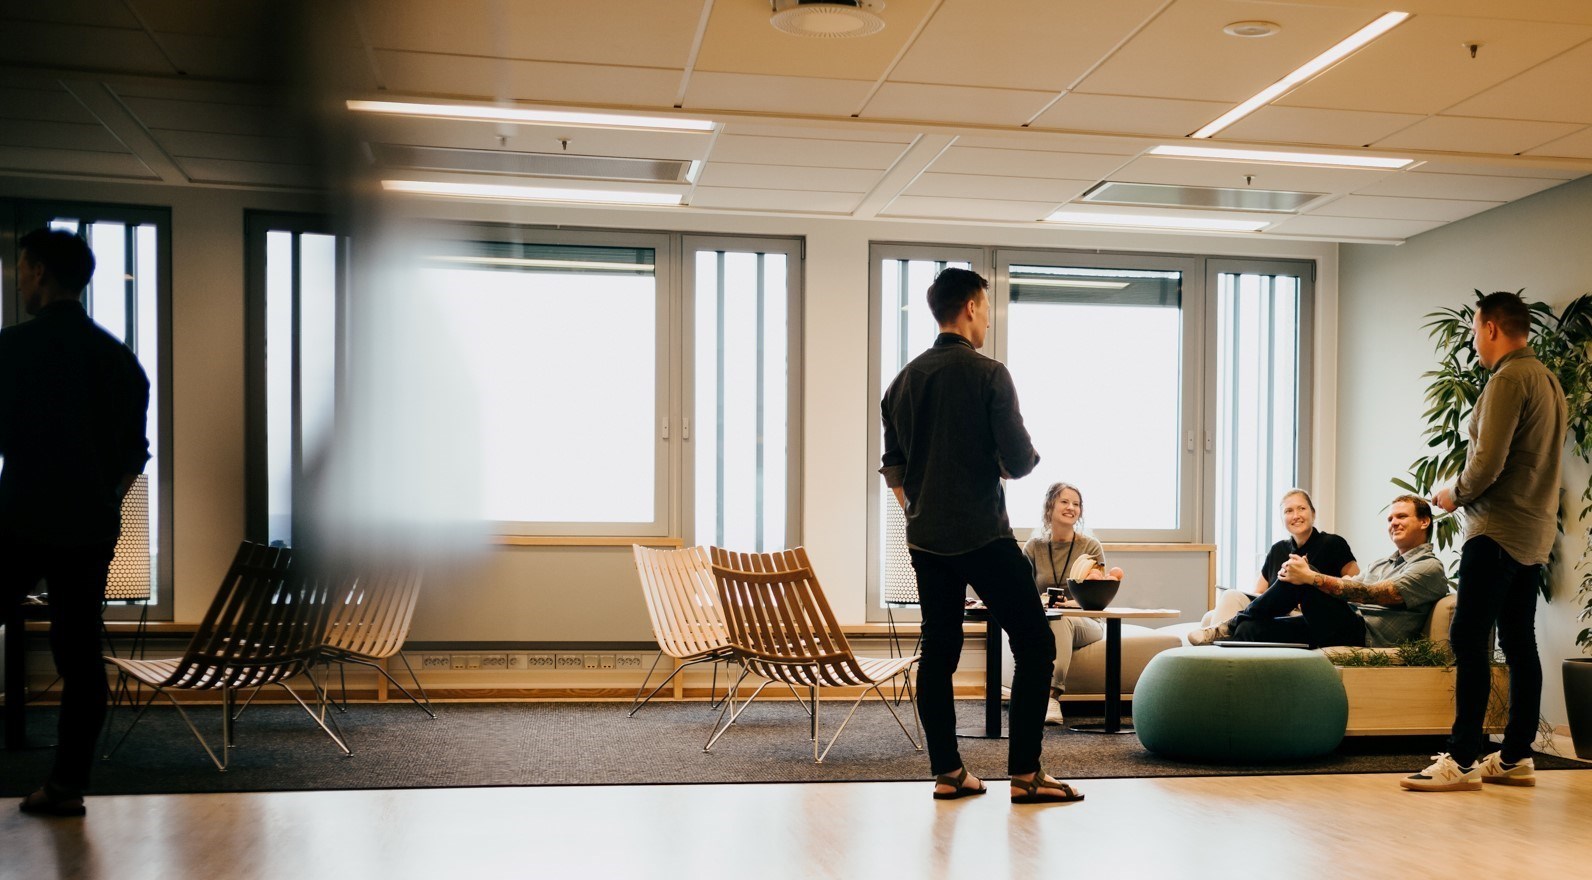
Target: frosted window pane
pixel 1100 387
pixel 107 292
pixel 145 291
pixel 279 384
pixel 317 340
pixel 562 370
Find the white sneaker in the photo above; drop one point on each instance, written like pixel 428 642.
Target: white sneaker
pixel 1053 715
pixel 1444 775
pixel 1210 634
pixel 1493 769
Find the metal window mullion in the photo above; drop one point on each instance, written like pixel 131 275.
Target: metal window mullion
pixel 758 334
pixel 129 286
pixel 719 404
pixel 1267 316
pixel 1236 299
pixel 295 420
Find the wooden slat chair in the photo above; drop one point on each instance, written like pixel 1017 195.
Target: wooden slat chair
pixel 783 629
pixel 686 618
pixel 264 627
pixel 371 612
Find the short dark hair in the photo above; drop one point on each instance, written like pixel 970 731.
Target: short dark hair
pixel 951 290
pixel 65 257
pixel 1507 310
pixel 1422 510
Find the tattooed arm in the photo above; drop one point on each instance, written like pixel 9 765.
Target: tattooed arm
pixel 1349 590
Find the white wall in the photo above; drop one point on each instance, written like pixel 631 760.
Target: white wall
pixel 1539 244
pixel 589 594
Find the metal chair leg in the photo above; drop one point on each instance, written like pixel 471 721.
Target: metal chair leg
pixel 727 706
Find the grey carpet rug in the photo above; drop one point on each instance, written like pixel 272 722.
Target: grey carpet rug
pixel 491 744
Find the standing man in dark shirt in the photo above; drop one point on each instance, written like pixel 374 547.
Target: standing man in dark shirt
pixel 73 403
pixel 952 430
pixel 1510 491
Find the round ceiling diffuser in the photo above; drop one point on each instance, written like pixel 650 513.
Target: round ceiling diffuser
pixel 1252 28
pixel 828 18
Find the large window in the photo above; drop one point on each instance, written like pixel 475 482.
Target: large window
pixel 129 295
pixel 1262 326
pixel 295 318
pixel 582 383
pixel 1173 389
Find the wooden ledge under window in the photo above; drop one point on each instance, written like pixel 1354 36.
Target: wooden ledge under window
pixel 582 541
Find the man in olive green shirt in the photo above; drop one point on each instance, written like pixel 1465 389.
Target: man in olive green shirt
pixel 1510 491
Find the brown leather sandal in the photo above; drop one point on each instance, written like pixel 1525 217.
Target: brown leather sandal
pixel 1031 789
pixel 955 781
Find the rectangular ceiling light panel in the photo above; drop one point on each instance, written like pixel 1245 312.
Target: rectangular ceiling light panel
pixel 1155 221
pixel 1172 196
pixel 532 116
pixel 1305 71
pixel 529 193
pixel 1282 157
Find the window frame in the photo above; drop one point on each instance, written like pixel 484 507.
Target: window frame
pixel 29 214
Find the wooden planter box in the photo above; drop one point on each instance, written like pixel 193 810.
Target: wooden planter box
pixel 1407 701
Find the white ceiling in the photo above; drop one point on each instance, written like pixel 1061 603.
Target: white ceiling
pixel 959 110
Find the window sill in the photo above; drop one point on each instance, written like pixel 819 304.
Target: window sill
pixel 582 541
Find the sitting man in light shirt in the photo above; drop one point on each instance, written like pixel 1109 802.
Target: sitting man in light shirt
pixel 1386 606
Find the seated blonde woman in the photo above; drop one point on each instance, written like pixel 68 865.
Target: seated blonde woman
pixel 1052 550
pixel 1324 551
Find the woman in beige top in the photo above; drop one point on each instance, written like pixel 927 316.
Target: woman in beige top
pixel 1052 550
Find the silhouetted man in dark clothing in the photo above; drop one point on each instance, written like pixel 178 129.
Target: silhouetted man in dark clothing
pixel 73 404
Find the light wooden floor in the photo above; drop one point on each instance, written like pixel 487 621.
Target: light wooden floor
pixel 1224 827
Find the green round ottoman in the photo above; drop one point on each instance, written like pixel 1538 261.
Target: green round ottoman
pixel 1245 705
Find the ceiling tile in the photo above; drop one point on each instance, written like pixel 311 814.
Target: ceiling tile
pixel 1184 54
pixel 836 129
pixel 968 209
pixel 896 100
pixel 1539 93
pixel 795 95
pixel 245 148
pixel 1060 142
pixel 1124 115
pixel 55 105
pixel 1578 146
pixel 1031 44
pixel 61 136
pixel 1354 227
pixel 1505 167
pixel 1025 163
pixel 814 152
pixel 249 173
pixel 503 79
pixel 1200 172
pixel 1461 135
pixel 1422 65
pixel 775 200
pixel 221 57
pixel 740 39
pixel 76 162
pixel 157 113
pixel 1303 125
pixel 1457 186
pixel 89 12
pixel 657 33
pixel 984 186
pixel 81 48
pixel 1389 208
pixel 237 18
pixel 1573 11
pixel 728 174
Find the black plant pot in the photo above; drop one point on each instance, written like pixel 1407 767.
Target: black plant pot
pixel 1578 703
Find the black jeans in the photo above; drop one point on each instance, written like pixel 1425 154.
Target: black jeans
pixel 76 580
pixel 1494 589
pixel 1326 621
pixel 1000 574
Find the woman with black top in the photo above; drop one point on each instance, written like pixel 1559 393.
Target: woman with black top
pixel 1326 553
pixel 1052 550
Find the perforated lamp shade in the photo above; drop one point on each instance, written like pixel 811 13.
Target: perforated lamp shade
pixel 130 579
pixel 899 580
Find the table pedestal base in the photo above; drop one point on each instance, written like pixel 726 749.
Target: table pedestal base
pixel 981 733
pixel 1101 728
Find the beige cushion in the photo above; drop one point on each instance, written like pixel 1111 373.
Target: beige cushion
pixel 1087 677
pixel 1436 629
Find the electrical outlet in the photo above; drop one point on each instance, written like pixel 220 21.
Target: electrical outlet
pixel 593 661
pixel 606 662
pixel 627 661
pixel 516 662
pixel 495 662
pixel 460 661
pixel 567 661
pixel 541 662
pixel 436 661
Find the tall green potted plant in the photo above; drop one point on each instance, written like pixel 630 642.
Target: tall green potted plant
pixel 1563 342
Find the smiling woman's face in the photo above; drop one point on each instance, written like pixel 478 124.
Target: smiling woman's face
pixel 1297 517
pixel 1067 510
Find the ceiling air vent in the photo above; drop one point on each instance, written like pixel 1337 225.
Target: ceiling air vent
pixel 531 164
pixel 1170 196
